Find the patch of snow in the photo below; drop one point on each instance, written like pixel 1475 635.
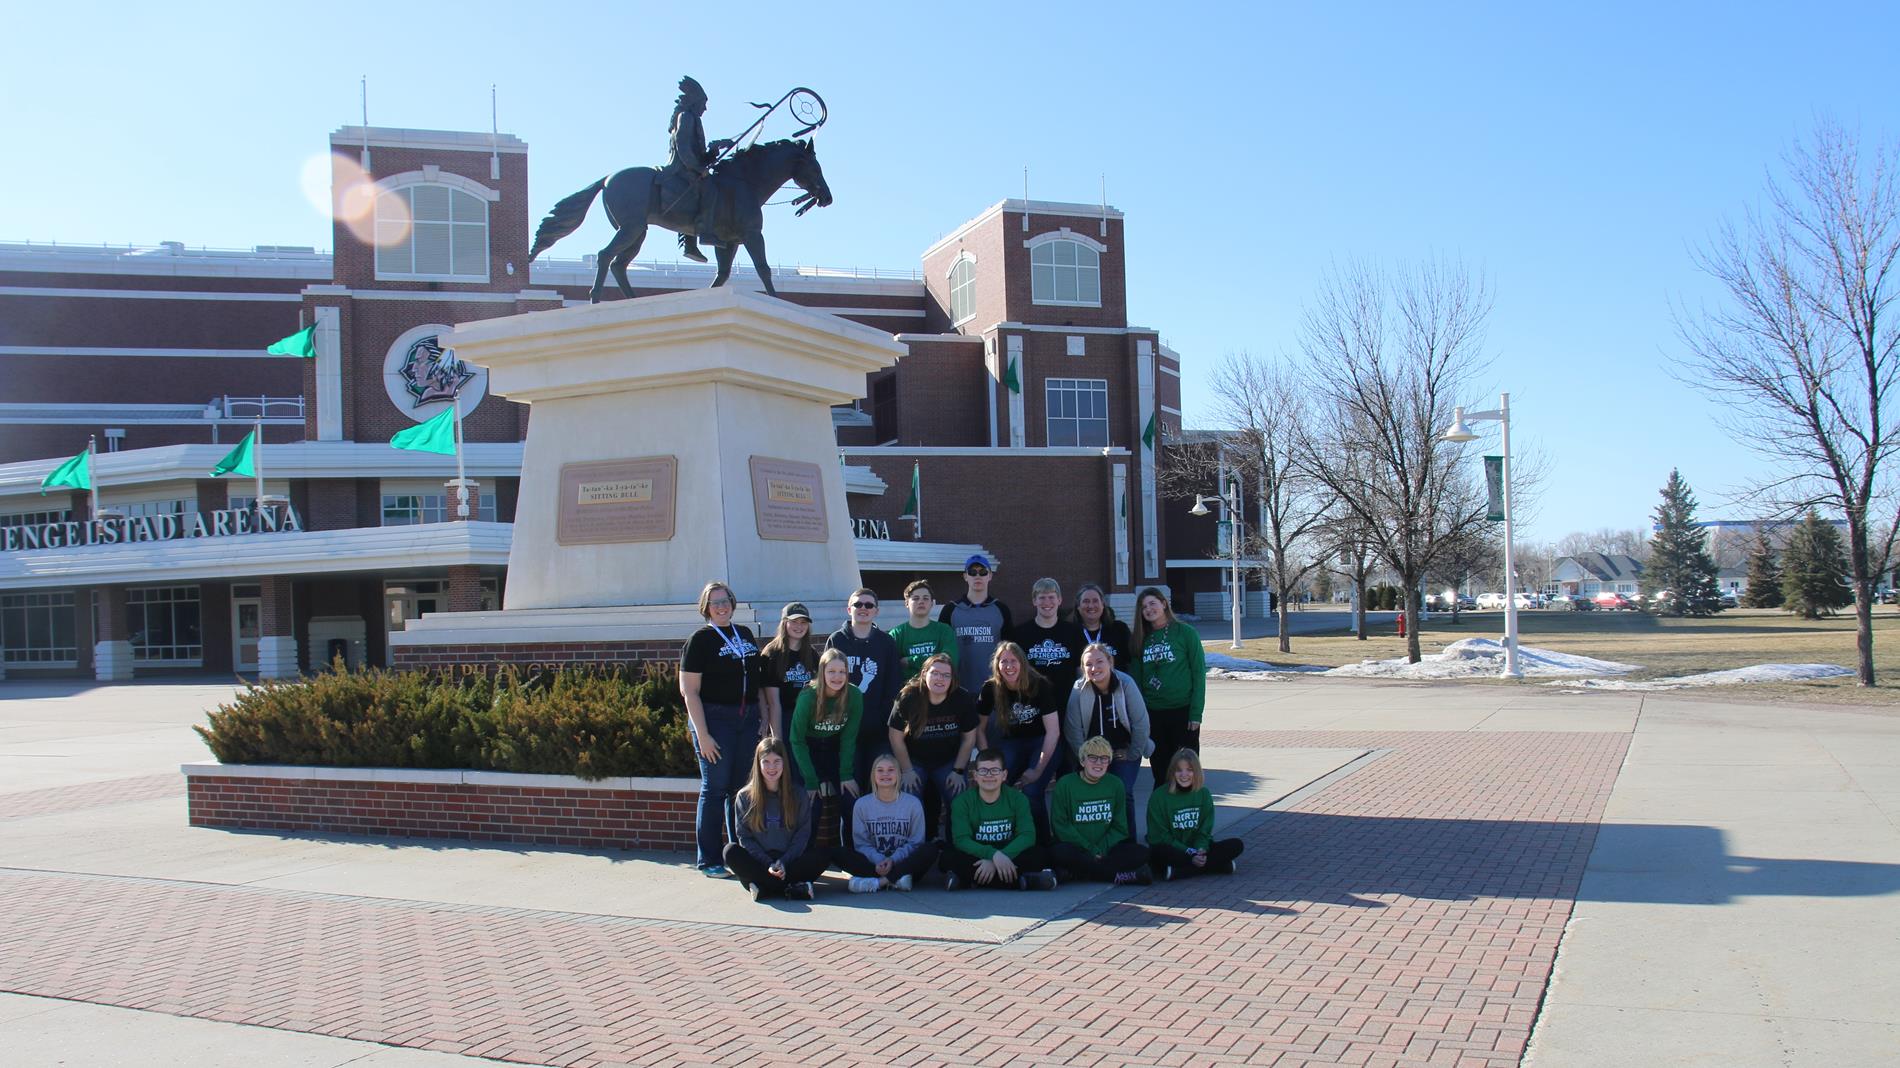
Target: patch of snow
pixel 1222 666
pixel 1757 673
pixel 1478 657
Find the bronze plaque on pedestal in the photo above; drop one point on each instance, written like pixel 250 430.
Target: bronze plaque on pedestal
pixel 788 500
pixel 617 501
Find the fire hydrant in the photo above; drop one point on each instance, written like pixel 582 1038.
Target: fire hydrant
pixel 1401 622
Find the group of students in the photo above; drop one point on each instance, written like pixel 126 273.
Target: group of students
pixel 981 717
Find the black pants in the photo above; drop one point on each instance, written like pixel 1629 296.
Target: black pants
pixel 1169 729
pixel 919 862
pixel 804 868
pixel 1220 858
pixel 963 865
pixel 1080 864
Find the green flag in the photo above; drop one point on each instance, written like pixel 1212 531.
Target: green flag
pixel 76 472
pixel 241 460
pixel 1148 435
pixel 303 343
pixel 435 435
pixel 916 486
pixel 1009 377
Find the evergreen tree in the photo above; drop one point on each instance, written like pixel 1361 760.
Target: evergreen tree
pixel 1814 570
pixel 1679 560
pixel 1764 575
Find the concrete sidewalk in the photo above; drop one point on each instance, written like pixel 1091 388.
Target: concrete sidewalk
pixel 1436 873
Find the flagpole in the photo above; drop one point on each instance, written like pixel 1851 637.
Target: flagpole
pixel 92 472
pixel 257 463
pixel 917 483
pixel 461 476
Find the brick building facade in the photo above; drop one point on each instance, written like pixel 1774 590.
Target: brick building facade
pixel 1023 406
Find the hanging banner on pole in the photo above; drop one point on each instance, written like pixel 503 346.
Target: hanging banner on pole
pixel 1494 488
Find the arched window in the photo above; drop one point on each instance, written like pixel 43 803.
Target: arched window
pixel 431 232
pixel 962 289
pixel 1063 270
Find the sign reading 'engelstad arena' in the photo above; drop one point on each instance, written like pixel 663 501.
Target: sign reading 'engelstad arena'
pixel 116 531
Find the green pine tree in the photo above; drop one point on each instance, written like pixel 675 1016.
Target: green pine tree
pixel 1764 575
pixel 1814 570
pixel 1680 576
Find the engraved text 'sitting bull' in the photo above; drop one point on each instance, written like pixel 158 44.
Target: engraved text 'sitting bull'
pixel 697 194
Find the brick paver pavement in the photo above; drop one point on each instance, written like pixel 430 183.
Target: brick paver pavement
pixel 48 800
pixel 1408 913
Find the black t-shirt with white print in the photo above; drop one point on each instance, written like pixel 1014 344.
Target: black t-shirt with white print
pixel 730 668
pixel 1022 713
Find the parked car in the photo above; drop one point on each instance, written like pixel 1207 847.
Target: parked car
pixel 1616 602
pixel 1730 600
pixel 1530 600
pixel 1490 600
pixel 1570 602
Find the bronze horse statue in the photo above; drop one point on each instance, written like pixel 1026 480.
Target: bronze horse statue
pixel 743 182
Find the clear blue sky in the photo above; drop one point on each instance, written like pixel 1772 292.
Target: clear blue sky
pixel 1574 158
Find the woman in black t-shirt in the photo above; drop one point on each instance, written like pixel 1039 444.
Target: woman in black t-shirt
pixel 722 677
pixel 791 662
pixel 1022 717
pixel 932 731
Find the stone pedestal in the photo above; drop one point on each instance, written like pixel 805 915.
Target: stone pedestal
pixel 112 660
pixel 674 440
pixel 277 658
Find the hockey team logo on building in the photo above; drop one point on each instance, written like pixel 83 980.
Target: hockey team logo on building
pixel 420 374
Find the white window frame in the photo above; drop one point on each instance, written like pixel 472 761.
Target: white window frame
pixel 36 519
pixel 177 653
pixel 1088 259
pixel 431 503
pixel 23 605
pixel 966 287
pixel 1080 387
pixel 403 186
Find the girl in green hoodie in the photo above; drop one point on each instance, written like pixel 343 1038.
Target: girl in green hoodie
pixel 1181 825
pixel 1171 667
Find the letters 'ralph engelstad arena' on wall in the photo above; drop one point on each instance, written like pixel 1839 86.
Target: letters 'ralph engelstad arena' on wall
pixel 1026 407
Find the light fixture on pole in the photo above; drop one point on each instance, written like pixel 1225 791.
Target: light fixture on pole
pixel 1460 432
pixel 1232 507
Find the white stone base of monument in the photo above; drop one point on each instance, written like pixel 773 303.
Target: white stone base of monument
pixel 581 637
pixel 675 440
pixel 277 658
pixel 112 661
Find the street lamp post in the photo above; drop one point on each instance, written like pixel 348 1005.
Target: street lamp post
pixel 1232 506
pixel 1459 432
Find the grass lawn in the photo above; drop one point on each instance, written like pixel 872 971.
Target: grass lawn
pixel 1665 647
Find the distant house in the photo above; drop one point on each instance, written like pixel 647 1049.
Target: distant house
pixel 1733 579
pixel 1589 574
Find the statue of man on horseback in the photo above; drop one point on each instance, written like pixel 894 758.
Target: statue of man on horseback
pixel 683 179
pixel 698 194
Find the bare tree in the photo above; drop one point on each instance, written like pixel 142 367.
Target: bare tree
pixel 1606 540
pixel 1262 401
pixel 1387 356
pixel 1347 547
pixel 1258 404
pixel 1804 352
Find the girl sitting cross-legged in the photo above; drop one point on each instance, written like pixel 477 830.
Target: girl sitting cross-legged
pixel 887 847
pixel 1181 824
pixel 774 818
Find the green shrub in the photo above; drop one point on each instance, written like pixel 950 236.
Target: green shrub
pixel 592 724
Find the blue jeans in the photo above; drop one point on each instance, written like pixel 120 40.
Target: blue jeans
pixel 1019 755
pixel 736 731
pixel 936 800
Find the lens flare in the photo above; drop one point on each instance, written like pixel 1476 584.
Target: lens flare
pixel 337 184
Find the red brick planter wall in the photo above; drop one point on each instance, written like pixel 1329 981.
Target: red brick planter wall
pixel 550 810
pixel 471 658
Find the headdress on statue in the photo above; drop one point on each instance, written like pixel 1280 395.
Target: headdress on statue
pixel 691 95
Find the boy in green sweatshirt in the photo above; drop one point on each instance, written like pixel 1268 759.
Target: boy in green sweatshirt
pixel 993 835
pixel 922 635
pixel 1088 815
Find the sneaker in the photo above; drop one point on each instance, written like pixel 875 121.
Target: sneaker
pixel 1164 873
pixel 903 883
pixel 1039 880
pixel 1144 877
pixel 1122 878
pixel 863 884
pixel 951 882
pixel 756 890
pixel 799 891
pixel 715 871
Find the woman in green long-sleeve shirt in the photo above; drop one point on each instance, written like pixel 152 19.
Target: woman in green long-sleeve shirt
pixel 824 741
pixel 1171 668
pixel 1181 825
